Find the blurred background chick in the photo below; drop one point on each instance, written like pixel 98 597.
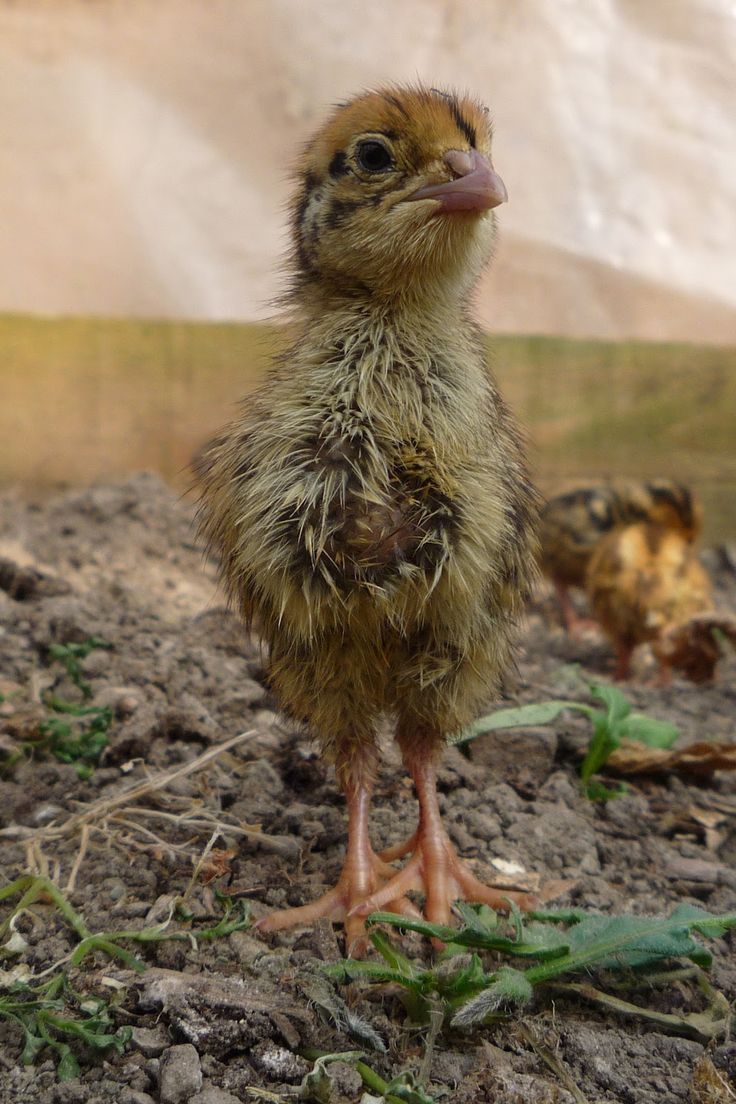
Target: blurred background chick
pixel 644 577
pixel 575 522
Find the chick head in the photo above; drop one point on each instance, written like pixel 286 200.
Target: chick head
pixel 673 506
pixel 396 195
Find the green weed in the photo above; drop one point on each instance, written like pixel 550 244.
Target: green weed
pixel 547 950
pixel 71 654
pixel 317 1085
pixel 73 732
pixel 613 723
pixel 47 1008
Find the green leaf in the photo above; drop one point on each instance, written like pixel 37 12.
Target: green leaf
pixel 604 741
pixel 68 1068
pixel 350 969
pixel 397 961
pixel 523 716
pixel 405 1088
pixel 509 987
pixel 647 730
pixel 478 918
pixel 33 1045
pixel 596 791
pixel 617 707
pixel 465 937
pixel 459 977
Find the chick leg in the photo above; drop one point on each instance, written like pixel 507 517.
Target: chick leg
pixel 434 868
pixel 362 874
pixel 624 653
pixel 575 624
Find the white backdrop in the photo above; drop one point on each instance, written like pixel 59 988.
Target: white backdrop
pixel 146 144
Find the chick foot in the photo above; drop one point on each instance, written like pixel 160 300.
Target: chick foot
pixel 364 873
pixel 434 869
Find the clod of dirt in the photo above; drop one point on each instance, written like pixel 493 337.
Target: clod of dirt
pixel 212 1095
pixel 279 1064
pixel 131 1096
pixel 24 583
pixel 219 1015
pixel 150 1041
pixel 180 1074
pixel 522 757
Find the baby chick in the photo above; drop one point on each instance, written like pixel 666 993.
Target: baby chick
pixel 645 579
pixel 572 524
pixel 372 509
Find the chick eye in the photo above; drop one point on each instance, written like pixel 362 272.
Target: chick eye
pixel 373 156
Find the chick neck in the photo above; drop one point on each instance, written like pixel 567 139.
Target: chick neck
pixel 418 315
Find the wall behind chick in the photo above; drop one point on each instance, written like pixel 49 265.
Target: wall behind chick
pixel 144 159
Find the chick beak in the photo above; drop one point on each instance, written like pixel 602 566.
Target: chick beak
pixel 476 187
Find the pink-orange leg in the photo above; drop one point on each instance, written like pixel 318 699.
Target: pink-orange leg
pixel 362 875
pixel 435 869
pixel 574 623
pixel 624 653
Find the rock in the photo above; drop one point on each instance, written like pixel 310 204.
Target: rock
pixel 346 1081
pixel 700 870
pixel 24 582
pixel 180 1074
pixel 212 1095
pixel 150 1041
pixel 130 1096
pixel 279 1064
pixel 188 722
pixel 123 700
pixel 219 1015
pixel 522 757
pixel 247 947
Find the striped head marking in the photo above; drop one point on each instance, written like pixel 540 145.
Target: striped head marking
pixel 673 506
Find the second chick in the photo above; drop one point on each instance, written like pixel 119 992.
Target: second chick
pixel 574 523
pixel 643 579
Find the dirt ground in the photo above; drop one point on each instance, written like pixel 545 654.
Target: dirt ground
pixel 222 1021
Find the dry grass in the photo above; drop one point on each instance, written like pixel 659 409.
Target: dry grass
pixel 118 821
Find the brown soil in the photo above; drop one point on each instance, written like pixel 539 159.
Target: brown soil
pixel 120 562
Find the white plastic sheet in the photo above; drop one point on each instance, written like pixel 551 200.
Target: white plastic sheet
pixel 146 146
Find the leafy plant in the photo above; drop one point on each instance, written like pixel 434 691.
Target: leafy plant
pixel 561 945
pixel 71 654
pixel 613 723
pixel 73 732
pixel 317 1085
pixel 49 1011
pixel 80 744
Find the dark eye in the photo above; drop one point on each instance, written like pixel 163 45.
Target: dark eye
pixel 373 156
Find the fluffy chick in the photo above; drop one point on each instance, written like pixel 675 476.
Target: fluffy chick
pixel 371 508
pixel 572 525
pixel 645 579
